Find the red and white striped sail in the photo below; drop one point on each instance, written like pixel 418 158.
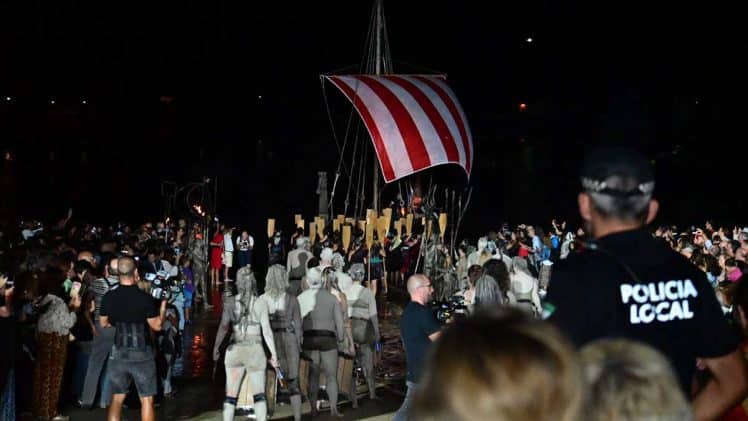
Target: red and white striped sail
pixel 414 121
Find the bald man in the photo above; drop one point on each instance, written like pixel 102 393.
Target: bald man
pixel 133 314
pixel 87 256
pixel 418 328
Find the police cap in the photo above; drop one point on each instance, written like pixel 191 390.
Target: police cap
pixel 617 171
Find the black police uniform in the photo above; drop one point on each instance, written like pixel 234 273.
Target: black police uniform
pixel 628 284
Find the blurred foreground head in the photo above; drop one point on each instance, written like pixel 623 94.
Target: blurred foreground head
pixel 500 366
pixel 628 380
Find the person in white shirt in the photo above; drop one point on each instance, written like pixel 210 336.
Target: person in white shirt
pixel 524 286
pixel 245 243
pixel 228 251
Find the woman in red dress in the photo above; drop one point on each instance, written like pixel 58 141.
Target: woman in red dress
pixel 216 256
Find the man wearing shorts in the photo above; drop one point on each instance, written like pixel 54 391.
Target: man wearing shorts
pixel 132 313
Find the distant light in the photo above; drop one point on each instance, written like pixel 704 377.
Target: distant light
pixel 522 106
pixel 259 96
pixel 8 156
pixel 52 101
pixel 697 102
pixel 84 102
pixel 529 39
pixel 7 98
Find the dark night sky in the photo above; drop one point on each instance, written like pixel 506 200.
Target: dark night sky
pixel 665 79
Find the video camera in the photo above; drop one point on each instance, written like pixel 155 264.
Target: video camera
pixel 161 284
pixel 453 307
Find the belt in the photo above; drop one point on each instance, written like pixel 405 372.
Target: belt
pixel 252 340
pixel 283 329
pixel 315 332
pixel 525 300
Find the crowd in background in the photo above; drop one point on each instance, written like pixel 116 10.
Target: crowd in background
pixel 53 278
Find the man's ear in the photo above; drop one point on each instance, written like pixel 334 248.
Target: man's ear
pixel 654 206
pixel 585 206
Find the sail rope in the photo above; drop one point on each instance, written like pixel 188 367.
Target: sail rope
pixel 350 179
pixel 341 151
pixel 367 66
pixel 361 180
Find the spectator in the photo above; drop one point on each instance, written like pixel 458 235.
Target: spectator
pixel 500 365
pixel 628 381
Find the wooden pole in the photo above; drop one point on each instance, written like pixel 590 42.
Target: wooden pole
pixel 320 227
pixel 346 237
pixel 271 227
pixel 442 225
pixel 369 244
pixel 312 233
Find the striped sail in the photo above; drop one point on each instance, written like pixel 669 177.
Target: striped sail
pixel 414 121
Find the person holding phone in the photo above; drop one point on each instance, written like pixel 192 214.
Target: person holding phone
pixel 56 318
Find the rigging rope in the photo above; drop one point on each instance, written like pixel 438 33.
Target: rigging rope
pixel 350 179
pixel 368 66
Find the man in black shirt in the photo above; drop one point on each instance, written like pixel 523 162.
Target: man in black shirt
pixel 418 328
pixel 627 284
pixel 133 313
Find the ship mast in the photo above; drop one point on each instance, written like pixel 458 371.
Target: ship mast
pixel 378 71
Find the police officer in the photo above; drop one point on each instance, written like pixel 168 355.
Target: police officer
pixel 132 312
pixel 627 284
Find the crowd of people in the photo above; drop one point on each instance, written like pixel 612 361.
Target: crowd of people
pixel 54 282
pixel 611 321
pixel 634 324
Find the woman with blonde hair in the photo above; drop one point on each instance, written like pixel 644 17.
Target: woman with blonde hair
pixel 628 380
pixel 285 320
pixel 245 358
pixel 500 365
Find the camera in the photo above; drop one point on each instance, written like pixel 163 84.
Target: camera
pixel 453 307
pixel 161 285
